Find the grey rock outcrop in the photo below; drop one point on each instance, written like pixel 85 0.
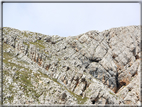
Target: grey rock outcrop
pixel 92 68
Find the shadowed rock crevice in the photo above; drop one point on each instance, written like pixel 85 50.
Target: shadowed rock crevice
pixel 95 60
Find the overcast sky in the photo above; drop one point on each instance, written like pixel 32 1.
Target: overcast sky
pixel 69 19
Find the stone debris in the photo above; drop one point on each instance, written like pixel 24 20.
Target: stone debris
pixel 94 68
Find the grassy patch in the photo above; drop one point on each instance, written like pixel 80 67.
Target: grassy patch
pixel 13 64
pixel 46 52
pixel 39 44
pixel 59 59
pixel 79 98
pixel 6 46
pixel 26 44
pixel 25 34
pixel 10 99
pixel 6 30
pixel 7 56
pixel 21 76
pixel 111 93
pixel 23 62
pixel 25 82
pixel 9 90
pixel 89 90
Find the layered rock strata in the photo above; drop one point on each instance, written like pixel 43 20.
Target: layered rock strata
pixel 91 68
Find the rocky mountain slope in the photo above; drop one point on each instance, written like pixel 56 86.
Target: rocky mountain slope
pixel 91 68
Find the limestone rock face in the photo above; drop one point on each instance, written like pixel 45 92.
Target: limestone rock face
pixel 91 69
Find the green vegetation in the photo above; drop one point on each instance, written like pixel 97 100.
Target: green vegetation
pixel 21 76
pixel 25 34
pixel 9 90
pixel 6 46
pixel 6 57
pixel 59 59
pixel 25 79
pixel 89 90
pixel 25 82
pixel 79 98
pixel 22 62
pixel 39 44
pixel 54 91
pixel 26 44
pixel 46 52
pixel 10 99
pixel 13 64
pixel 111 93
pixel 6 30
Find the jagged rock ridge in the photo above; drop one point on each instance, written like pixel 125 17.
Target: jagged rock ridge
pixel 91 68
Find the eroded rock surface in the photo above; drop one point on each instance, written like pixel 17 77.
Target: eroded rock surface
pixel 92 68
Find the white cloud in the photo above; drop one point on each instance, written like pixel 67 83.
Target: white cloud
pixel 69 19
